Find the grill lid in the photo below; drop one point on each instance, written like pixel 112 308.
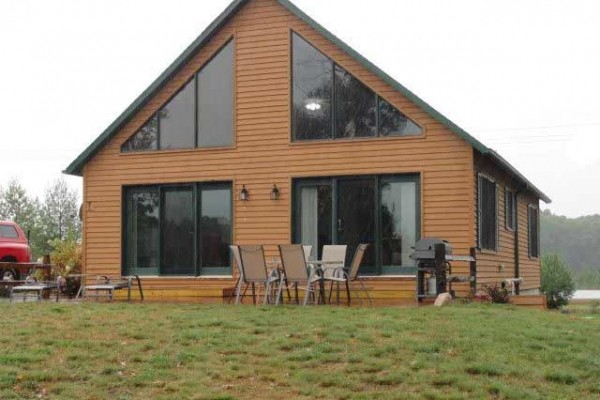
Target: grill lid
pixel 425 249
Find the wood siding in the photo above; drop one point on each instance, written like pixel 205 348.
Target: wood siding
pixel 495 267
pixel 263 154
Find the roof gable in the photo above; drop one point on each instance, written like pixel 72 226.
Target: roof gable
pixel 76 167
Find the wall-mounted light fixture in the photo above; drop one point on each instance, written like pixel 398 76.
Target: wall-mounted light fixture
pixel 244 193
pixel 274 192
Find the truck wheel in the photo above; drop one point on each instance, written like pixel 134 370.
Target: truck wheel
pixel 9 275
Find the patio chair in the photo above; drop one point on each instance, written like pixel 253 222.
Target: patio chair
pixel 307 250
pixel 296 271
pixel 350 276
pixel 235 250
pixel 254 272
pixel 335 252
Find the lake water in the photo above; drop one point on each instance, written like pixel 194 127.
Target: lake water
pixel 586 295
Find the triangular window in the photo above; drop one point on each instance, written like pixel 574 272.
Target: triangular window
pixel 199 115
pixel 144 139
pixel 329 102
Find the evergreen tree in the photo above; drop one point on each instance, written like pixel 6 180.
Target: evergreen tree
pixel 60 217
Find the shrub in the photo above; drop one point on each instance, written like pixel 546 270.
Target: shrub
pixel 66 258
pixel 556 281
pixel 498 294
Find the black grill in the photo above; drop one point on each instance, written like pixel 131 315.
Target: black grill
pixel 433 257
pixel 425 250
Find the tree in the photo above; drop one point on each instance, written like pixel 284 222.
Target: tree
pixel 556 282
pixel 17 206
pixel 588 278
pixel 60 219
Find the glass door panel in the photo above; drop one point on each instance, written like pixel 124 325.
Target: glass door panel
pixel 399 224
pixel 142 231
pixel 215 229
pixel 314 217
pixel 178 231
pixel 356 218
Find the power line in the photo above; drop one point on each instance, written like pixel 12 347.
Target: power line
pixel 539 127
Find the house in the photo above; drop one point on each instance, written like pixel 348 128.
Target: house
pixel 268 129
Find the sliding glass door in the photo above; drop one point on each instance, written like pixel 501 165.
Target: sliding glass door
pixel 383 211
pixel 315 215
pixel 177 229
pixel 356 216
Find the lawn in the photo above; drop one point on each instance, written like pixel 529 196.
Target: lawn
pixel 169 351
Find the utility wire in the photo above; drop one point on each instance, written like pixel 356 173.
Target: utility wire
pixel 539 127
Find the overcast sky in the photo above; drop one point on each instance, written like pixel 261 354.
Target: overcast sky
pixel 521 76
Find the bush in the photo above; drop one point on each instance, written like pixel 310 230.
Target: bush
pixel 557 282
pixel 497 294
pixel 66 259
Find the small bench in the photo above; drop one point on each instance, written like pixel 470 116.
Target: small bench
pixel 31 285
pixel 106 286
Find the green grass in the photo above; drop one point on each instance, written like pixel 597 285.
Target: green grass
pixel 167 351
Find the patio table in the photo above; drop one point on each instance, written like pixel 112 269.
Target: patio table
pixel 320 266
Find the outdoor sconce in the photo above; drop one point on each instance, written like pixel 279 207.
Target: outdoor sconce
pixel 244 193
pixel 274 193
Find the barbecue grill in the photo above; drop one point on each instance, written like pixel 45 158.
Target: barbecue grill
pixel 433 257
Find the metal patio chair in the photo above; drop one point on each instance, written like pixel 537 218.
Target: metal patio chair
pixel 335 252
pixel 307 250
pixel 254 272
pixel 296 271
pixel 235 250
pixel 347 277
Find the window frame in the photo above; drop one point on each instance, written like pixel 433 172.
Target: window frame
pixel 480 177
pixel 194 78
pixel 197 188
pixel 510 217
pixel 530 208
pixel 332 137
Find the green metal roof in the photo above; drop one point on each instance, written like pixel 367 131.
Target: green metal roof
pixel 76 167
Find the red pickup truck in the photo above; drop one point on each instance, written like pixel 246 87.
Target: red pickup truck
pixel 14 248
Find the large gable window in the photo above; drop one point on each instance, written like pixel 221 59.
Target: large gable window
pixel 199 115
pixel 215 100
pixel 176 120
pixel 488 214
pixel 330 103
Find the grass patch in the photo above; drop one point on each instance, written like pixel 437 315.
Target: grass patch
pixel 168 351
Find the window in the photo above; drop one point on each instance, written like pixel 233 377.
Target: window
pixel 176 120
pixel 328 102
pixel 199 115
pixel 312 92
pixel 215 100
pixel 355 107
pixel 144 139
pixel 534 226
pixel 488 214
pixel 510 202
pixel 177 229
pixel 9 232
pixel 393 123
pixel 383 211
